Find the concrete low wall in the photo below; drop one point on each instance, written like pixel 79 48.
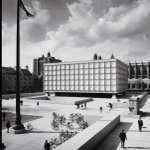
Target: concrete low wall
pixel 7 96
pixel 89 138
pixel 142 99
pixel 120 105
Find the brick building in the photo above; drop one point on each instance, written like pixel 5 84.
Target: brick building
pixel 9 80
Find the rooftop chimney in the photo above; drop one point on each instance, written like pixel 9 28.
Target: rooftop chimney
pixel 27 67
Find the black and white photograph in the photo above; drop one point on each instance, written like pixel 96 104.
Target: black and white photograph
pixel 75 75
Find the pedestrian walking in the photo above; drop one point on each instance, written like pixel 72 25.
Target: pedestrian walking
pixel 140 124
pixel 37 103
pixel 8 126
pixel 3 146
pixel 110 106
pixel 46 145
pixel 101 109
pixel 4 115
pixel 123 137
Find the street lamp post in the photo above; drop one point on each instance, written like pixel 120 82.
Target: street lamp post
pixel 18 127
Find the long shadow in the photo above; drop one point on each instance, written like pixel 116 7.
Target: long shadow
pixel 42 132
pixel 145 114
pixel 113 137
pixel 138 147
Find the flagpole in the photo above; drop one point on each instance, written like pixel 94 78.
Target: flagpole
pixel 18 127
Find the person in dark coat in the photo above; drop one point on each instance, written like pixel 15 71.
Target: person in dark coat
pixel 4 115
pixel 8 126
pixel 3 146
pixel 46 145
pixel 101 109
pixel 140 124
pixel 123 137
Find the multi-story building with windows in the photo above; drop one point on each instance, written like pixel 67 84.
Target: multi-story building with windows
pixel 139 76
pixel 96 76
pixel 9 80
pixel 39 62
pixel 38 70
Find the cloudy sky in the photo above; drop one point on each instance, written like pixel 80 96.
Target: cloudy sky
pixel 76 29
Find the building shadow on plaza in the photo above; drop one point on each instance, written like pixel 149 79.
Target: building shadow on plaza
pixel 112 141
pixel 145 114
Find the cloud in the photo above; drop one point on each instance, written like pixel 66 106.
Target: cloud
pixel 122 27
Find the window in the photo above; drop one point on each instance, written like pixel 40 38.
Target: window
pixel 76 72
pixel 62 77
pixel 45 73
pixel 81 66
pixel 46 68
pixel 101 76
pixel 58 77
pixel 96 70
pixel 62 66
pixel 91 76
pixel 96 88
pixel 67 77
pixel 96 76
pixel 76 77
pixel 96 82
pixel 107 70
pixel 45 78
pixel 81 77
pixel 86 76
pixel 76 88
pixel 72 87
pixel 91 71
pixel 67 66
pixel 96 65
pixel 58 87
pixel 107 88
pixel 86 71
pixel 113 64
pixel 107 82
pixel 102 88
pixel 54 67
pixel 63 72
pixel 86 65
pixel 81 71
pixel 91 65
pixel 76 66
pixel 113 70
pixel 102 70
pixel 113 76
pixel 72 77
pixel 107 76
pixel 101 64
pixel 72 72
pixel 107 64
pixel 71 66
pixel 58 67
pixel 81 82
pixel 91 88
pixel 58 72
pixel 54 72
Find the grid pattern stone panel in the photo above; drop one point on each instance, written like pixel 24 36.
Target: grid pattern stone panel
pixel 93 76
